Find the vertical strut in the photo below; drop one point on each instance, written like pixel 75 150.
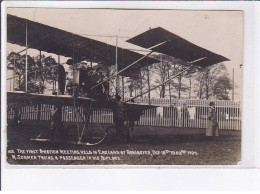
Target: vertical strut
pixel 169 83
pixel 117 76
pixel 40 80
pixel 26 62
pixel 73 68
pixel 123 88
pixel 14 75
pixel 58 74
pixel 233 84
pixel 190 89
pixel 149 87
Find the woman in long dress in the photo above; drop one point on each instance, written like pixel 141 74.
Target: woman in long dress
pixel 212 124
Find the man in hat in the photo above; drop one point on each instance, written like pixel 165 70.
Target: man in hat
pixel 119 117
pixel 212 122
pixel 132 116
pixel 57 127
pixel 61 79
pixel 185 116
pixel 174 114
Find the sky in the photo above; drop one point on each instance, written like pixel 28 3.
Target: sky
pixel 218 31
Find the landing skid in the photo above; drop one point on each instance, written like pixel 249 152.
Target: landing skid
pixel 47 140
pixel 42 140
pixel 88 143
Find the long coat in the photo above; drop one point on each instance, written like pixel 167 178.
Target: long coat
pixel 185 116
pixel 212 123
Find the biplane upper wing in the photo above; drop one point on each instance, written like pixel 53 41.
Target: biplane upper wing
pixel 53 40
pixel 176 47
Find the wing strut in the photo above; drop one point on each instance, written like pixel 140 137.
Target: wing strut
pixel 192 64
pixel 122 70
pixel 127 67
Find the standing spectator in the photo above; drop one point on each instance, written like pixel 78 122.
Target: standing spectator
pixel 56 121
pixel 133 115
pixel 61 79
pixel 119 117
pixel 212 124
pixel 17 117
pixel 185 116
pixel 174 114
pixel 56 125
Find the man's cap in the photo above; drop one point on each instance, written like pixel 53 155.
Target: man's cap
pixel 118 97
pixel 211 104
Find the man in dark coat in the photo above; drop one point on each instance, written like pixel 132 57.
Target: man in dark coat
pixel 212 122
pixel 119 117
pixel 174 115
pixel 185 116
pixel 56 125
pixel 17 117
pixel 61 79
pixel 132 116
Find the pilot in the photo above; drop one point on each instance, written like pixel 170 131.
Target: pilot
pixel 104 87
pixel 101 90
pixel 85 78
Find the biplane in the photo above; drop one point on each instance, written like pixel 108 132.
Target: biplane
pixel 30 34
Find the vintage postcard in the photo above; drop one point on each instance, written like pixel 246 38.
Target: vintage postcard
pixel 123 87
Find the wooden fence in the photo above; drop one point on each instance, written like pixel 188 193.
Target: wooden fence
pixel 165 115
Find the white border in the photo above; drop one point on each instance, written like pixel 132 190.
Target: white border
pixel 166 178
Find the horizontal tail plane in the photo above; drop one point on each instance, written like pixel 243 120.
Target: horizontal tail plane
pixel 176 47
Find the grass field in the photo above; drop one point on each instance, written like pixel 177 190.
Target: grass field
pixel 151 146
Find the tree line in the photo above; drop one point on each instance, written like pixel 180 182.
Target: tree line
pixel 211 82
pixel 40 74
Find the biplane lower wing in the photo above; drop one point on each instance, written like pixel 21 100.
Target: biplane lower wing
pixel 176 47
pixel 22 98
pixel 19 98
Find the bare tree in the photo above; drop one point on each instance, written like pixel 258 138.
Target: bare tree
pixel 222 87
pixel 134 85
pixel 165 69
pixel 161 70
pixel 182 82
pixel 206 79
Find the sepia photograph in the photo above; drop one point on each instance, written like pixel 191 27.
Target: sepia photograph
pixel 124 86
